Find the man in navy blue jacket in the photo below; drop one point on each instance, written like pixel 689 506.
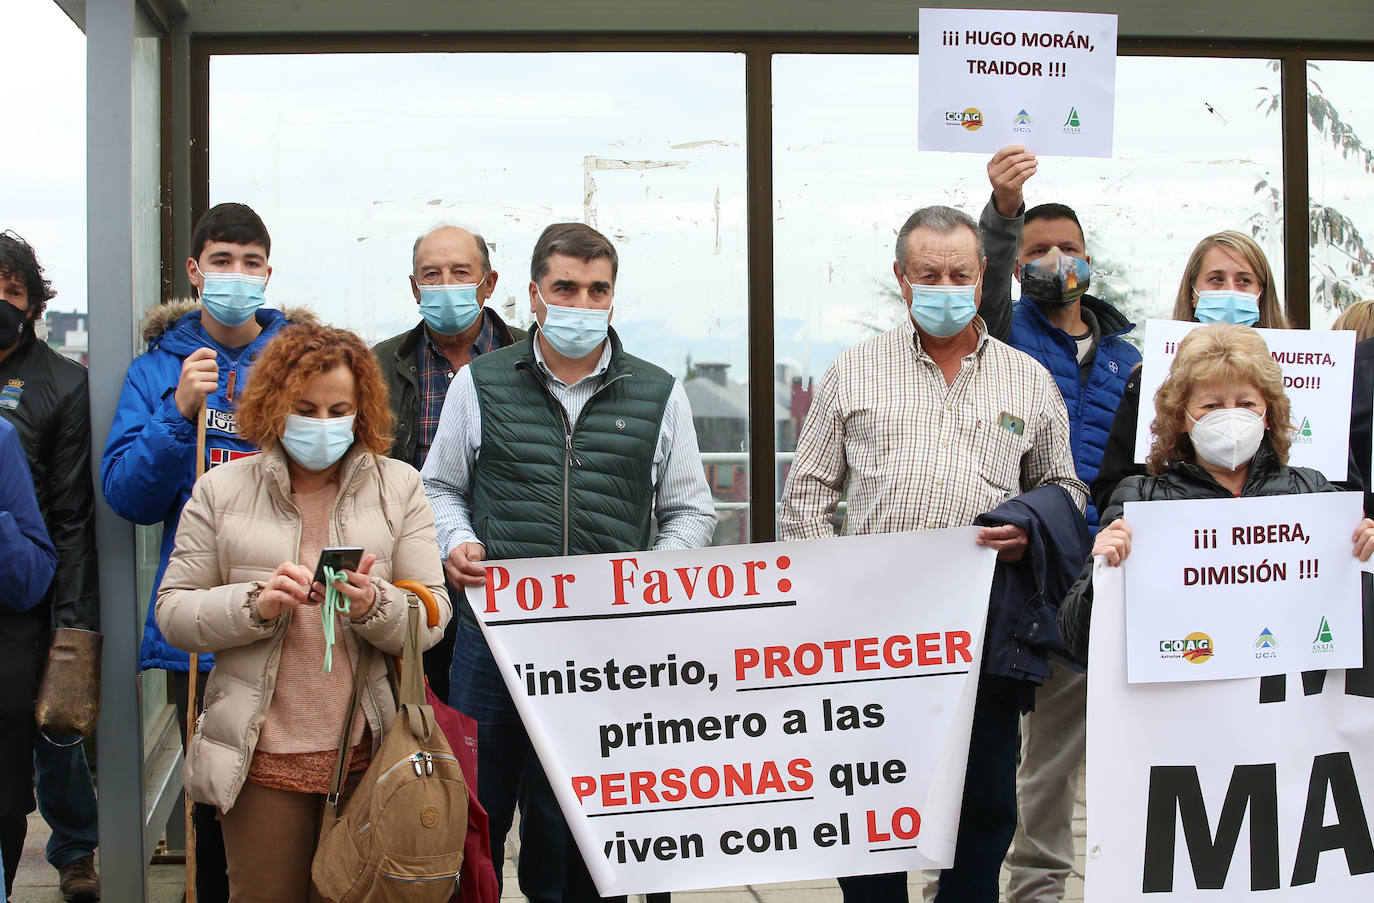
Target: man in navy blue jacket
pixel 27 563
pixel 1081 341
pixel 198 357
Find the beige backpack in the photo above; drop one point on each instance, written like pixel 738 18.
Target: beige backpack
pixel 400 836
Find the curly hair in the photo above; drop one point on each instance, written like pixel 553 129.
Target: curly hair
pixel 1237 244
pixel 1225 354
pixel 296 355
pixel 17 260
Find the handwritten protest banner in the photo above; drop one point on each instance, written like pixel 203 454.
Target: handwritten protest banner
pixel 1244 587
pixel 749 714
pixel 1227 791
pixel 1318 369
pixel 989 78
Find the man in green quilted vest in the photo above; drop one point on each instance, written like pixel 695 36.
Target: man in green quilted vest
pixel 560 444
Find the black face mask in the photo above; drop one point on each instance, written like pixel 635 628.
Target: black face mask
pixel 12 321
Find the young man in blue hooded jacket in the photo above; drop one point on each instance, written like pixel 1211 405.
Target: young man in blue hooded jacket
pixel 197 364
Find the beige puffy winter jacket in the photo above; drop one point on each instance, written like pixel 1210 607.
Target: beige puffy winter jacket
pixel 239 525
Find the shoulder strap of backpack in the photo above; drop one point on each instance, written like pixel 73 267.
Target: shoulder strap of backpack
pixel 341 760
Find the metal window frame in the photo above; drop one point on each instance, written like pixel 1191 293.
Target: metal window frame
pixel 758 51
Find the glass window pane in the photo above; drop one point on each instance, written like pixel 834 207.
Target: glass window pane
pixel 1196 152
pixel 349 157
pixel 1340 146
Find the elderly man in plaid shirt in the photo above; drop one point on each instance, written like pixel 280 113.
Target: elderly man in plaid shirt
pixel 451 279
pixel 931 425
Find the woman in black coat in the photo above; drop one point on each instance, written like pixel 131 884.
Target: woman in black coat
pixel 1222 430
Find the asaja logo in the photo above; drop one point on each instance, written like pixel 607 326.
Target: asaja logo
pixel 1302 435
pixel 1324 641
pixel 1195 647
pixel 971 119
pixel 1073 125
pixel 1265 644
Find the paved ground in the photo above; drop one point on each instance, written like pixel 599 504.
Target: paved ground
pixel 37 881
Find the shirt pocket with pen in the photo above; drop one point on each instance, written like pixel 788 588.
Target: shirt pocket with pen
pixel 1002 443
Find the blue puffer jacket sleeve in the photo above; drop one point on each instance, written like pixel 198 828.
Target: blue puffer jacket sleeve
pixel 27 557
pixel 149 459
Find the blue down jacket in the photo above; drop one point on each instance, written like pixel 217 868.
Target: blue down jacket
pixel 1023 609
pixel 148 467
pixel 1092 404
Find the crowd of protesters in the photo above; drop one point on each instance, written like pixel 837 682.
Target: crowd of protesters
pixel 258 437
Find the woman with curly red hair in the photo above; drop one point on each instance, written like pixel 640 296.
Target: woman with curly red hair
pixel 239 584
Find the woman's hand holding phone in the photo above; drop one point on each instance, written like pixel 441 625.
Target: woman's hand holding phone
pixel 288 587
pixel 355 586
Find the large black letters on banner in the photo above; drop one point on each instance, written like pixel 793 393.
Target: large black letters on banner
pixel 1175 789
pixel 1334 773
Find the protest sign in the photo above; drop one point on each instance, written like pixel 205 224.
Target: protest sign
pixel 749 714
pixel 1318 370
pixel 1226 791
pixel 989 78
pixel 1221 588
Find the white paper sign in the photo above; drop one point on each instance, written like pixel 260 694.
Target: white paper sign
pixel 1231 791
pixel 754 713
pixel 1243 587
pixel 989 78
pixel 1318 370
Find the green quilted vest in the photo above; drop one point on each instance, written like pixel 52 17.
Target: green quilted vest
pixel 544 487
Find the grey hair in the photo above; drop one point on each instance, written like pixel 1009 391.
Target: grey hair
pixel 938 219
pixel 477 236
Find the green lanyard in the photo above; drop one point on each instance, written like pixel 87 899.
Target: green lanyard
pixel 334 601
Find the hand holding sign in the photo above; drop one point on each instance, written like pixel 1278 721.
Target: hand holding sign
pixel 1008 171
pixel 1113 542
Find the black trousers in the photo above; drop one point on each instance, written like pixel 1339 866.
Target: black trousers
pixel 987 817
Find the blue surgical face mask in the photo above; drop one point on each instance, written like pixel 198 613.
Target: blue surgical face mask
pixel 574 332
pixel 316 443
pixel 449 309
pixel 943 310
pixel 1227 306
pixel 232 298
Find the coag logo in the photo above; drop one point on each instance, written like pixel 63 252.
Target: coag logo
pixel 1195 647
pixel 971 119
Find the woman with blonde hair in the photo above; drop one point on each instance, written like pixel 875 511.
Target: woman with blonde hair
pixel 1221 430
pixel 1227 280
pixel 240 584
pixel 1358 317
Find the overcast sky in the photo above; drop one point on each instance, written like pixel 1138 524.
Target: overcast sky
pixel 43 192
pixel 349 157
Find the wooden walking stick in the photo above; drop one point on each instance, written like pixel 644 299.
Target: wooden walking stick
pixel 192 677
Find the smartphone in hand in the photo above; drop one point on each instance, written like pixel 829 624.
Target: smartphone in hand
pixel 340 558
